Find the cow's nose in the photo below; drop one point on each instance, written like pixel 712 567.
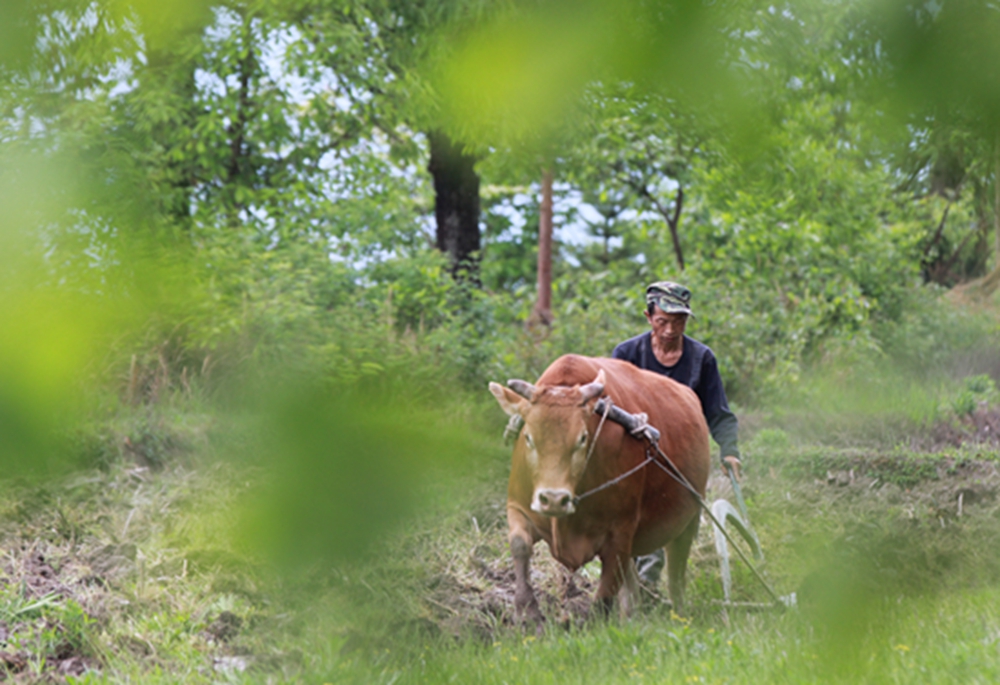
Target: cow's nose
pixel 552 502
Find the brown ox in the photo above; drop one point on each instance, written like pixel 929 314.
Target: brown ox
pixel 637 515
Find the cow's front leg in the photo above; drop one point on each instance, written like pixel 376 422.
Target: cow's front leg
pixel 522 542
pixel 617 574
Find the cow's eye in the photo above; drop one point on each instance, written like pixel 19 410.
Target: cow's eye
pixel 527 439
pixel 583 439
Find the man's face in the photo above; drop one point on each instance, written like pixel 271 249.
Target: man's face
pixel 667 328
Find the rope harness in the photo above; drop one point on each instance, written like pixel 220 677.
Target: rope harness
pixel 638 426
pixel 608 406
pixel 614 481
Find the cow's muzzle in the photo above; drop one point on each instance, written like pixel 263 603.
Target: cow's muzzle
pixel 551 502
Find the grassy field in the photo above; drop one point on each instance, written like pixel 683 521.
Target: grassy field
pixel 136 571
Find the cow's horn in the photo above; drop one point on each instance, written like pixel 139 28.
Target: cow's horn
pixel 593 389
pixel 522 388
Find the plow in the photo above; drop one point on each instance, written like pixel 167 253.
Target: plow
pixel 720 513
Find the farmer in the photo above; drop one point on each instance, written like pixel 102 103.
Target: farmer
pixel 666 350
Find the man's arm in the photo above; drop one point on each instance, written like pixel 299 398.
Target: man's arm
pixel 724 431
pixel 722 422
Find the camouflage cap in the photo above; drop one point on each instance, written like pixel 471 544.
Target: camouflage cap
pixel 670 297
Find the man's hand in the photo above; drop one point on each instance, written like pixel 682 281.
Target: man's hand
pixel 732 463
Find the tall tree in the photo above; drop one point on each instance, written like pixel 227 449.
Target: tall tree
pixel 381 49
pixel 542 313
pixel 456 204
pixel 637 155
pixel 935 68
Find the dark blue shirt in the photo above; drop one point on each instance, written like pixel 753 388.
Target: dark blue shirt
pixel 698 370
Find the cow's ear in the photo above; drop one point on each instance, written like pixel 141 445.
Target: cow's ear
pixel 510 401
pixel 591 391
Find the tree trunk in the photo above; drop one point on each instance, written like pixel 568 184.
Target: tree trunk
pixel 543 307
pixel 673 223
pixel 988 284
pixel 996 203
pixel 456 205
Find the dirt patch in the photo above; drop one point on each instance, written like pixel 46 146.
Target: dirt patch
pixel 44 625
pixel 224 628
pixel 70 585
pixel 476 597
pixel 36 575
pixel 981 427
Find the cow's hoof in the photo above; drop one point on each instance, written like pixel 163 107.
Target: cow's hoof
pixel 540 628
pixel 531 618
pixel 526 609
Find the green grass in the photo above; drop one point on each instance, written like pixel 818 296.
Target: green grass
pixel 149 567
pixel 946 639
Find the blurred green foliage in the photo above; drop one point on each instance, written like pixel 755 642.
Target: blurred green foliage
pixel 194 194
pixel 342 469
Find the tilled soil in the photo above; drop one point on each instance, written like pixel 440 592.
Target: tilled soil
pixel 982 427
pixel 38 582
pixel 69 590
